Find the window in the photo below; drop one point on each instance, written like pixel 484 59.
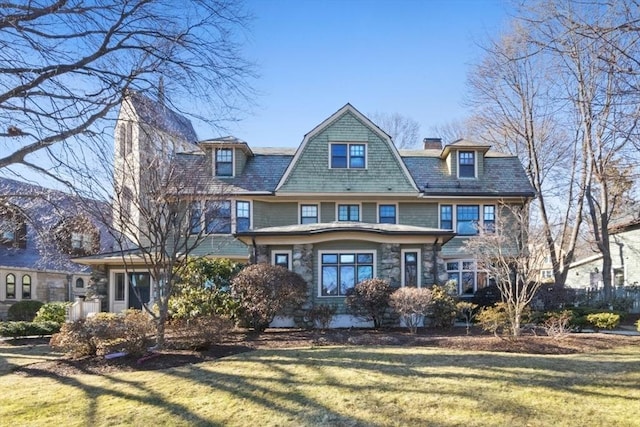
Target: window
pixel 195 218
pixel 11 286
pixel 467 217
pixel 410 268
pixel 80 283
pixel 123 140
pixel 308 214
pixel 282 259
pixel 546 274
pixel 243 216
pixel 466 164
pixel 8 230
pixel 26 287
pixel 340 272
pixel 489 219
pixel 81 241
pixel 466 276
pixel 224 162
pixel 129 140
pixel 119 287
pixel 446 218
pixel 218 216
pixel 387 214
pixel 351 156
pixel 348 213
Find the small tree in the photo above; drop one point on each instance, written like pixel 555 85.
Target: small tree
pixel 412 304
pixel 467 310
pixel 369 300
pixel 265 290
pixel 442 312
pixel 510 254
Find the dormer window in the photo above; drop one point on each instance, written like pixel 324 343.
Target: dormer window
pixel 81 242
pixel 348 156
pixel 224 161
pixel 77 236
pixel 13 229
pixel 466 164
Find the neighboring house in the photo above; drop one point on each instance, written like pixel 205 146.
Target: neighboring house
pixel 40 231
pixel 344 206
pixel 625 259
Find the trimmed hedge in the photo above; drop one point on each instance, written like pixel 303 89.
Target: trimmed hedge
pixel 24 310
pixel 24 329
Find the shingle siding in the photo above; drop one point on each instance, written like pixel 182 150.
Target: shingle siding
pixel 311 173
pixel 274 214
pixel 418 214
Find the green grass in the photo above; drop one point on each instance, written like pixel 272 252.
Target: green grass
pixel 343 386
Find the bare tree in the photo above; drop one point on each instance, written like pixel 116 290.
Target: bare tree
pixel 595 58
pixel 65 65
pixel 512 255
pixel 513 95
pixel 404 131
pixel 158 218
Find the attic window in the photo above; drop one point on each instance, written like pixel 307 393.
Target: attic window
pixel 466 164
pixel 348 156
pixel 224 162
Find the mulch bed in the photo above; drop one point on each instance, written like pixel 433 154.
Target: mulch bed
pixel 243 341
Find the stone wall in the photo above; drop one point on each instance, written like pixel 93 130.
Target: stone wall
pixel 302 263
pixel 389 263
pixel 431 255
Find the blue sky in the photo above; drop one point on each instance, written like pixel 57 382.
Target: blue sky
pixel 405 56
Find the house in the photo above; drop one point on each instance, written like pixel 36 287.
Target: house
pixel 585 274
pixel 346 205
pixel 41 230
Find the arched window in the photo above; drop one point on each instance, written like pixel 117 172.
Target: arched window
pixel 26 287
pixel 11 286
pixel 79 282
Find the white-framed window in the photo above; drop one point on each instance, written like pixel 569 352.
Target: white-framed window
pixel 281 258
pixel 195 217
pixel 546 274
pixel 466 164
pixel 130 289
pixel 340 271
pixel 79 283
pixel 466 275
pixel 309 214
pixel 411 268
pixel 10 286
pixel 223 161
pixel 387 214
pixel 26 287
pixel 348 156
pixel 243 215
pixel 465 220
pixel 81 241
pixel 348 212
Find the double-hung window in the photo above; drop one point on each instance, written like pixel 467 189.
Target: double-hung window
pixel 348 212
pixel 387 214
pixel 348 156
pixel 340 272
pixel 224 162
pixel 466 164
pixel 218 216
pixel 283 259
pixel 308 214
pixel 195 218
pixel 26 287
pixel 467 217
pixel 489 218
pixel 10 286
pixel 446 217
pixel 243 216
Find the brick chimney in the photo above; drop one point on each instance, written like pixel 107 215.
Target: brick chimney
pixel 432 143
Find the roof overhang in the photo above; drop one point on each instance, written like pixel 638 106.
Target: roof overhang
pixel 324 232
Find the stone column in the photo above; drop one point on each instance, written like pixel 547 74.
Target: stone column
pixel 302 263
pixel 389 265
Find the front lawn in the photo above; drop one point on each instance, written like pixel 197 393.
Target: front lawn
pixel 359 385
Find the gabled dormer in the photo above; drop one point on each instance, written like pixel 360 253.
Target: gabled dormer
pixel 465 159
pixel 227 156
pixel 77 236
pixel 13 227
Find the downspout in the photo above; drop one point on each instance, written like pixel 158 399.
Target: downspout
pixel 254 249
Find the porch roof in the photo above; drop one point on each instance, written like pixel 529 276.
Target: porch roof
pixel 310 233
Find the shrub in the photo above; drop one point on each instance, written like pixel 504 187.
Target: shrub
pixel 369 300
pixel 52 312
pixel 558 324
pixel 467 311
pixel 443 309
pixel 265 290
pixel 638 325
pixel 487 296
pixel 105 333
pixel 494 319
pixel 604 320
pixel 204 289
pixel 24 329
pixel 412 304
pixel 24 310
pixel 321 315
pixel 198 333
